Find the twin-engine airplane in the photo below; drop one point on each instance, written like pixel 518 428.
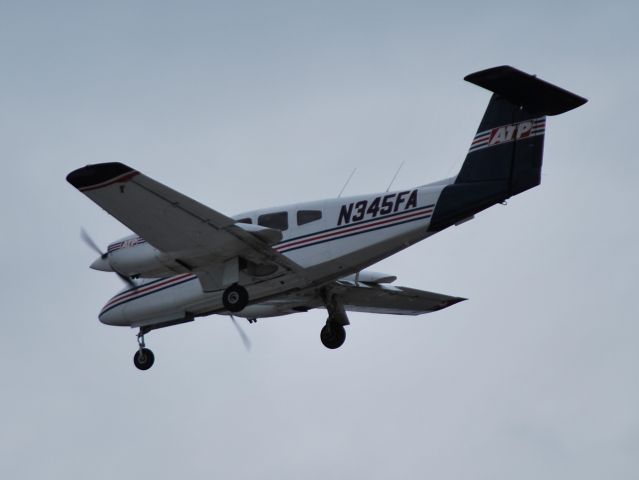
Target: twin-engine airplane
pixel 187 260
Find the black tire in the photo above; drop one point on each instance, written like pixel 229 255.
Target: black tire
pixel 332 335
pixel 235 298
pixel 143 359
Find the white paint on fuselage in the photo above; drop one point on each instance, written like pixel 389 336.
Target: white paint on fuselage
pixel 329 248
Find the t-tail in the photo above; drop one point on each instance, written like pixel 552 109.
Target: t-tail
pixel 505 155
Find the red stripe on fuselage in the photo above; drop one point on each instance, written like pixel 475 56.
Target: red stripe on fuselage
pixel 355 228
pixel 129 294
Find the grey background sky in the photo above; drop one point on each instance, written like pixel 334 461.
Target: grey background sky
pixel 248 104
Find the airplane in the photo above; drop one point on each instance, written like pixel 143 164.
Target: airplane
pixel 186 260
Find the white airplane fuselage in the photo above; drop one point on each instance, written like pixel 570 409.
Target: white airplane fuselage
pixel 329 238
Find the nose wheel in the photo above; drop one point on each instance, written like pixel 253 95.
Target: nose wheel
pixel 143 358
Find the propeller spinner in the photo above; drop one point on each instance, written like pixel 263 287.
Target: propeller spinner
pixel 102 262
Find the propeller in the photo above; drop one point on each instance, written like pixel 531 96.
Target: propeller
pixel 86 238
pixel 245 339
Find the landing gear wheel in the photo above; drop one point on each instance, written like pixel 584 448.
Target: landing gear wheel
pixel 143 359
pixel 332 335
pixel 235 298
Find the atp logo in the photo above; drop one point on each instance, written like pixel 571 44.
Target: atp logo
pixel 508 133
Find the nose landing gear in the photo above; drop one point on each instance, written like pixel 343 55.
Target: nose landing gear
pixel 143 358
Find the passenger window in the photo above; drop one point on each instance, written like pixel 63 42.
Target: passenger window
pixel 278 220
pixel 244 220
pixel 308 216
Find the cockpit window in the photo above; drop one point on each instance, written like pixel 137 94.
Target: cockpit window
pixel 278 220
pixel 244 220
pixel 308 216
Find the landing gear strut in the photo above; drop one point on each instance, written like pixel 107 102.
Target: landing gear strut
pixel 143 358
pixel 235 298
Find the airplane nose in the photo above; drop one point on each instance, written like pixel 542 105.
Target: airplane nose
pixel 113 316
pixel 102 264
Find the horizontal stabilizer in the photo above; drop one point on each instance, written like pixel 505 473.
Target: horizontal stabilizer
pixel 527 90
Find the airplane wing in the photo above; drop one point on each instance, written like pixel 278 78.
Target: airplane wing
pixel 189 232
pixel 378 298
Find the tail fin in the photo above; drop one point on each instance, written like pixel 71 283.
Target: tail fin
pixel 505 155
pixel 510 141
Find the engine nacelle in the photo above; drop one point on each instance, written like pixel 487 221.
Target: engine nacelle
pixel 134 257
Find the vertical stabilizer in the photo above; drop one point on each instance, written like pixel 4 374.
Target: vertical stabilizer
pixel 505 156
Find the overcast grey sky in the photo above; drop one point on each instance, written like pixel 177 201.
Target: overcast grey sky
pixel 247 104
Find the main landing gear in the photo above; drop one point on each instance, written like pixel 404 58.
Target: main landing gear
pixel 235 298
pixel 333 333
pixel 143 358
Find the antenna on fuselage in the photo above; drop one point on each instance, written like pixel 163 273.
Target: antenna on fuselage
pixel 346 184
pixel 395 176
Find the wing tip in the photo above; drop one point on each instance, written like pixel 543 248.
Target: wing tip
pixel 100 175
pixel 450 302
